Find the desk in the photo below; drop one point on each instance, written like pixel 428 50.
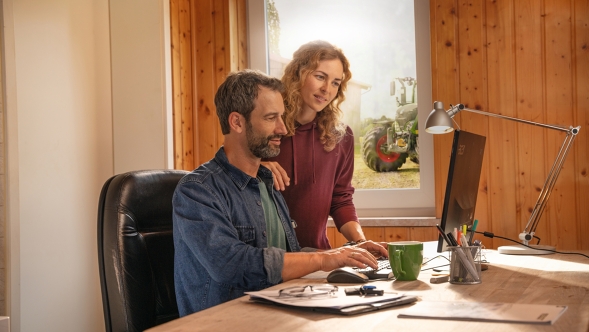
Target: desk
pixel 547 279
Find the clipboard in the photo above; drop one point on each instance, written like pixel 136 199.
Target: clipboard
pixel 340 305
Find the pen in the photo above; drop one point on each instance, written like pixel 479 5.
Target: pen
pixel 463 241
pixel 452 239
pixel 459 238
pixel 443 235
pixel 464 229
pixel 472 229
pixel 471 265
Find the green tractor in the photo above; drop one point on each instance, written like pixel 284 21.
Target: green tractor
pixel 389 143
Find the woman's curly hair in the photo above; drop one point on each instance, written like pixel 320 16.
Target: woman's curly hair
pixel 305 61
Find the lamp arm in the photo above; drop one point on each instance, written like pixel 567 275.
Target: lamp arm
pixel 571 134
pixel 556 127
pixel 548 185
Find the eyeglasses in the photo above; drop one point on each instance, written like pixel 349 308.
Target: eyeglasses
pixel 309 291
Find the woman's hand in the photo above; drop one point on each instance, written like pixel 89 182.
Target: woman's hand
pixel 281 180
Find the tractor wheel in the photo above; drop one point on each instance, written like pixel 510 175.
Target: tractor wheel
pixel 375 158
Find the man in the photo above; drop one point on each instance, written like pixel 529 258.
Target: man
pixel 232 231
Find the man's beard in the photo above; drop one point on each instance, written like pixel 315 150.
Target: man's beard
pixel 260 146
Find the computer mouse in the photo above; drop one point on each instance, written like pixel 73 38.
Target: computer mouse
pixel 346 275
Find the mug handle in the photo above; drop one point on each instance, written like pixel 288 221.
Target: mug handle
pixel 397 261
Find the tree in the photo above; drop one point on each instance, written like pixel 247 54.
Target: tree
pixel 273 28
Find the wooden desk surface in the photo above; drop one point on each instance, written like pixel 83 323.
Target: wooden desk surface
pixel 548 279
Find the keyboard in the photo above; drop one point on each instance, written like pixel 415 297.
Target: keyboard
pixel 382 272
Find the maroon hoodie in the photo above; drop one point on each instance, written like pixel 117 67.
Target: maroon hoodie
pixel 320 183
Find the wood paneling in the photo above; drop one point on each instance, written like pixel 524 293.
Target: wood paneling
pixel 182 84
pixel 559 106
pixel 580 71
pixel 208 41
pixel 386 234
pixel 444 64
pixel 531 62
pixel 529 80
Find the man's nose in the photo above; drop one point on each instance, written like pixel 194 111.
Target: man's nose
pixel 280 127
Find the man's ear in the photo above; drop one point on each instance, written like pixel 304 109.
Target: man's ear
pixel 237 122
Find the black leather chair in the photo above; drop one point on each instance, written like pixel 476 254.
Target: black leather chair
pixel 136 249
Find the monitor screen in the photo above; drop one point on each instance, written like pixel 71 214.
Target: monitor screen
pixel 462 186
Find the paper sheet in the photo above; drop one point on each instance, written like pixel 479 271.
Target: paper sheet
pixel 495 312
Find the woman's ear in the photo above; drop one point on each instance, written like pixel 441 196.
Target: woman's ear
pixel 236 122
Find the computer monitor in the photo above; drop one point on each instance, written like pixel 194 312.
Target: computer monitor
pixel 462 186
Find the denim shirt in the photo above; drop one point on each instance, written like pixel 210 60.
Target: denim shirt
pixel 220 242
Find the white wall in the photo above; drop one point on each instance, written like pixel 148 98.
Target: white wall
pixel 141 89
pixel 60 150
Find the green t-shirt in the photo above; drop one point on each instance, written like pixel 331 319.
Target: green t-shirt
pixel 274 228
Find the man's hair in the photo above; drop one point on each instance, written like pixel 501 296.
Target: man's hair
pixel 239 92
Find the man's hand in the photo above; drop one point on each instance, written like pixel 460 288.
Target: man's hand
pixel 377 249
pixel 281 180
pixel 298 264
pixel 346 256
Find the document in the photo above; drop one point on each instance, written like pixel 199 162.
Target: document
pixel 338 304
pixel 489 312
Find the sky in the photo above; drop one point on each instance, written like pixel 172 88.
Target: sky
pixel 377 37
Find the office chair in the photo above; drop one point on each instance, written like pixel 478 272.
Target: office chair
pixel 136 249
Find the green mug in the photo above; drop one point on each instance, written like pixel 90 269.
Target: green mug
pixel 406 258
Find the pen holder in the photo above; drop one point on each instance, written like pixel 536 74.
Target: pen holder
pixel 465 265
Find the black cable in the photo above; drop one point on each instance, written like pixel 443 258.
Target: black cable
pixel 491 235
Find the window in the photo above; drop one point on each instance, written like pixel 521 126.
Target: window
pixel 387 44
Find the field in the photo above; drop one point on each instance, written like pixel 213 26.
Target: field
pixel 364 178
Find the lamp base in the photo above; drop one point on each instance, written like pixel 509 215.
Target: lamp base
pixel 521 250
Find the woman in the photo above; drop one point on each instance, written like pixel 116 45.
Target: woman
pixel 318 151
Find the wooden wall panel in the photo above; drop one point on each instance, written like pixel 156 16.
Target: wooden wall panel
pixel 472 75
pixel 394 234
pixel 423 234
pixel 375 234
pixel 534 65
pixel 209 40
pixel 501 144
pixel 206 85
pixel 581 107
pixel 176 86
pixel 559 110
pixel 182 84
pixel 387 234
pixel 529 36
pixel 444 64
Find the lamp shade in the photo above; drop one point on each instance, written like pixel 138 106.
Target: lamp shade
pixel 438 121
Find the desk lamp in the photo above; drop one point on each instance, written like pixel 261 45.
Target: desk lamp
pixel 440 122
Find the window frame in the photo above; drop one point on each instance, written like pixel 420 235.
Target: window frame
pixel 400 202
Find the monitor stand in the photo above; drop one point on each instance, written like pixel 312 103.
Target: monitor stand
pixel 521 250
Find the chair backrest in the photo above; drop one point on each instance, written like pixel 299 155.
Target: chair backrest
pixel 136 249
